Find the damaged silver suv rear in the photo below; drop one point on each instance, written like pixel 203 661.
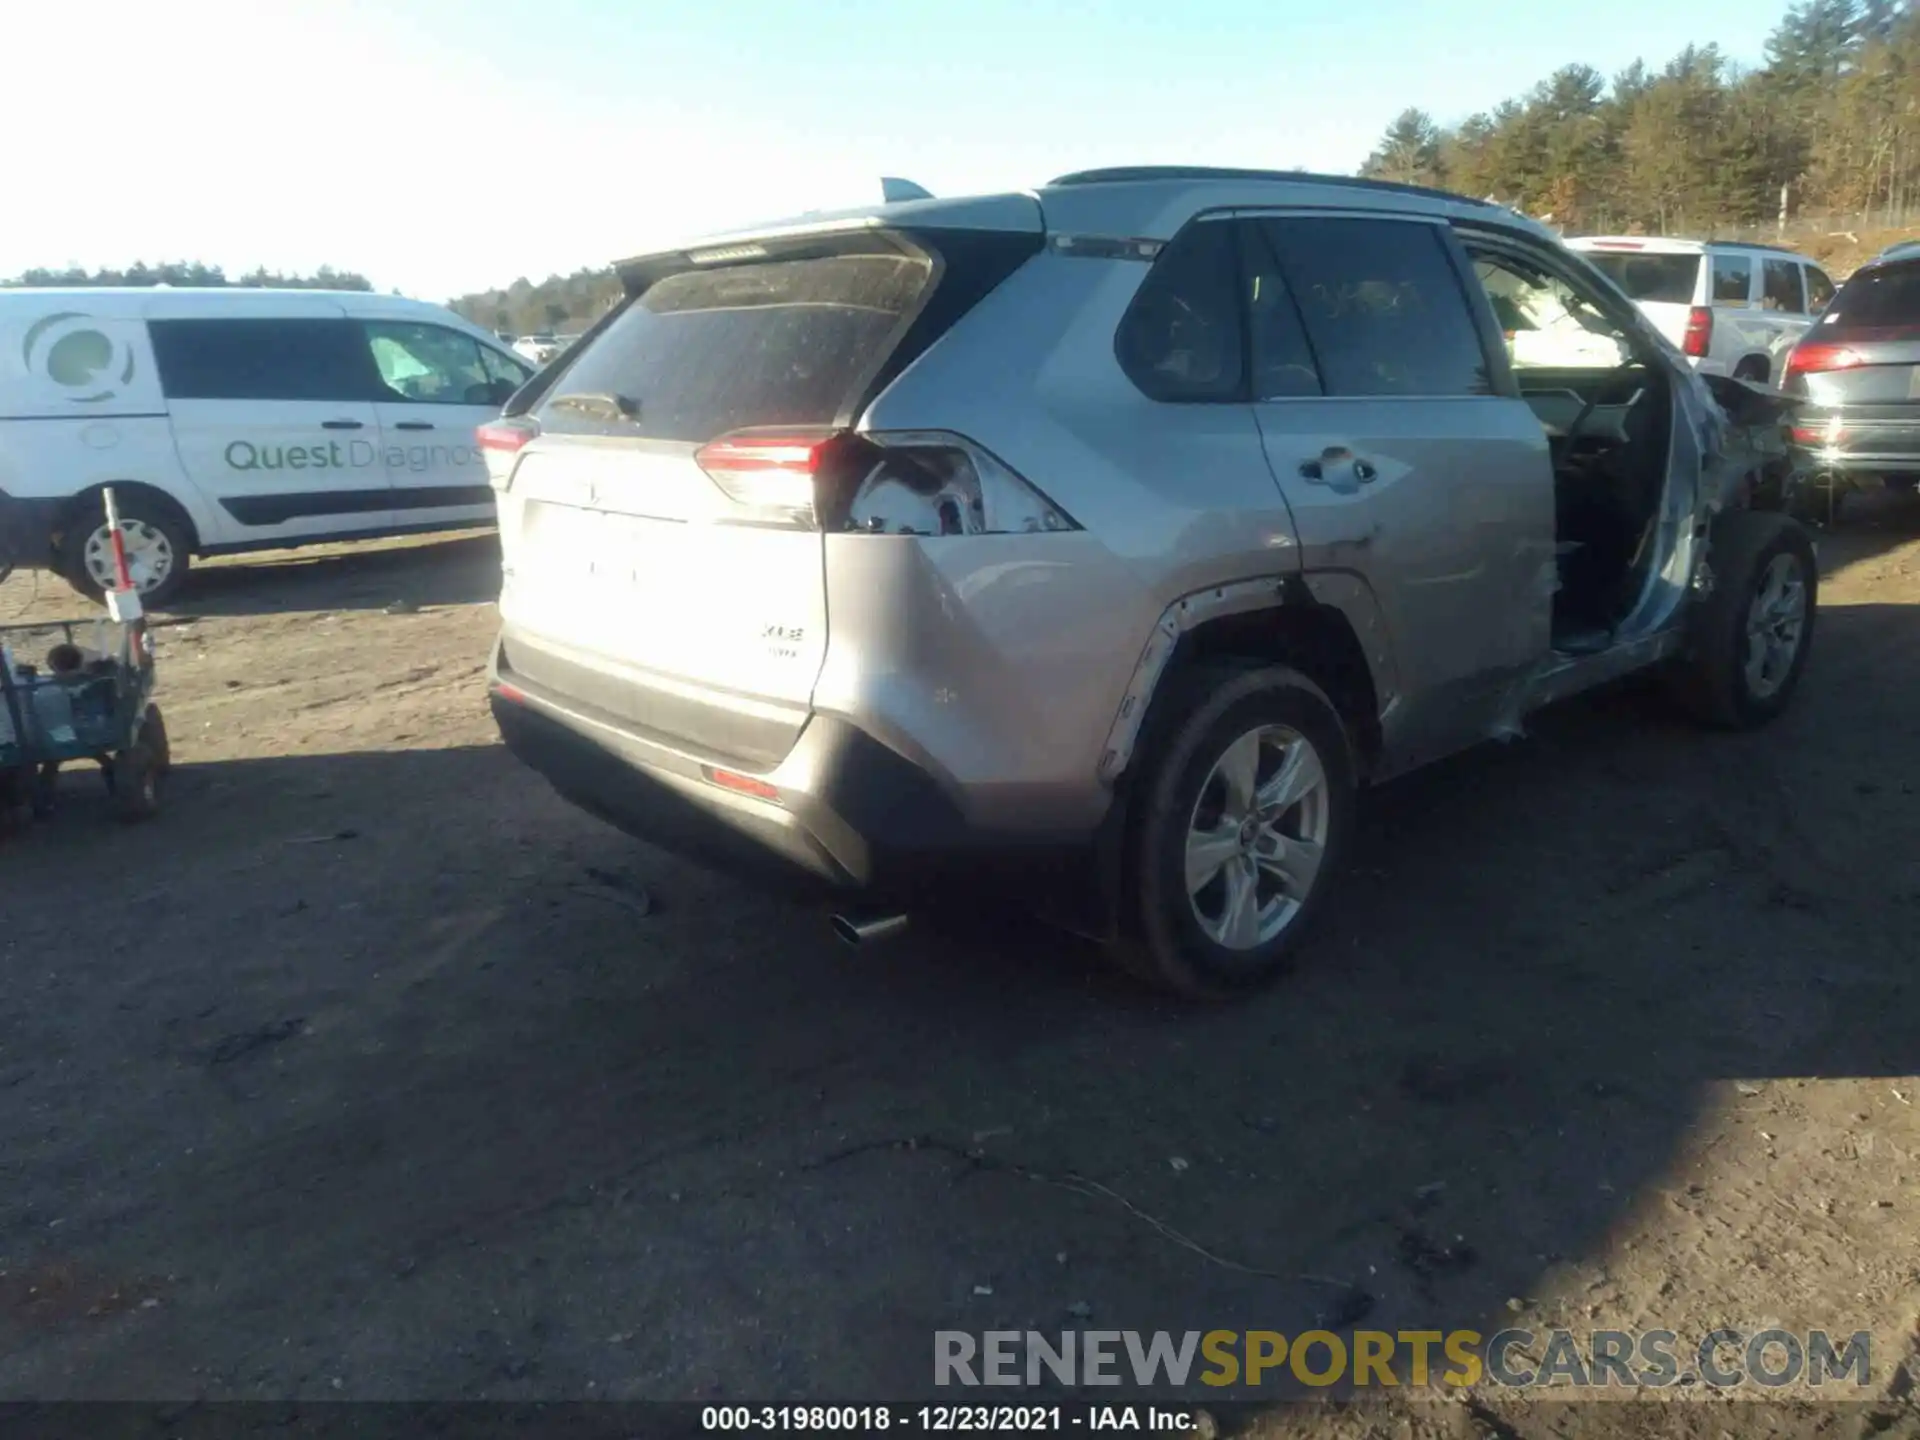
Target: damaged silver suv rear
pixel 1090 548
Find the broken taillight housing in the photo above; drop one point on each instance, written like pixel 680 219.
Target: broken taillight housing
pixel 1699 333
pixel 928 483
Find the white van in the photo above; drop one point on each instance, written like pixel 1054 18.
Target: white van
pixel 1733 309
pixel 235 419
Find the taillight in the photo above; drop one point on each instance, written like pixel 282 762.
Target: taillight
pixel 903 483
pixel 1699 336
pixel 1819 358
pixel 772 473
pixel 501 442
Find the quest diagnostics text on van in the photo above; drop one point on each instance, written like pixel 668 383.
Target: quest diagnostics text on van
pixel 351 455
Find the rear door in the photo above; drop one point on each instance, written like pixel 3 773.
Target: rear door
pixel 1404 456
pixel 623 554
pixel 437 385
pixel 274 422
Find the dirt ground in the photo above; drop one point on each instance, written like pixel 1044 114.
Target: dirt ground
pixel 358 1073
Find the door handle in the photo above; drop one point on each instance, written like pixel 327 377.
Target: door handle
pixel 414 425
pixel 1333 458
pixel 341 425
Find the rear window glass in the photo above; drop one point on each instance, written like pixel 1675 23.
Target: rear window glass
pixel 702 352
pixel 1883 295
pixel 1653 279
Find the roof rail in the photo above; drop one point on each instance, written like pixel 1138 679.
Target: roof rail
pixel 1123 174
pixel 1753 245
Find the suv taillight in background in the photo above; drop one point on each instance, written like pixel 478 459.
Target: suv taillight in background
pixel 1699 336
pixel 923 483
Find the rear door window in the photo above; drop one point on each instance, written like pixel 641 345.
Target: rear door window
pixel 1284 367
pixel 1383 306
pixel 1181 338
pixel 1781 287
pixel 1732 280
pixel 705 351
pixel 252 359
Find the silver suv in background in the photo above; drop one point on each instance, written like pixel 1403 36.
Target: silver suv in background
pixel 1857 374
pixel 1093 546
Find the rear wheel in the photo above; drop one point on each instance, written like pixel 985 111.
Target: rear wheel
pixel 158 543
pixel 1751 634
pixel 136 783
pixel 1247 802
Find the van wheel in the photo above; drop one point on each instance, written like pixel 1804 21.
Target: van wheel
pixel 1247 803
pixel 158 541
pixel 1751 634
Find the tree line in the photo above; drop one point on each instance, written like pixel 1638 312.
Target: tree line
pixel 1830 120
pixel 558 305
pixel 191 273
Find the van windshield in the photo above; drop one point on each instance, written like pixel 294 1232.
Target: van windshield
pixel 1656 279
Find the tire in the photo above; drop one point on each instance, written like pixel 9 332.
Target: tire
pixel 42 790
pixel 1179 937
pixel 136 784
pixel 153 735
pixel 1766 585
pixel 160 549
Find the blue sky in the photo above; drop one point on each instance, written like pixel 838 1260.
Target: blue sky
pixel 444 145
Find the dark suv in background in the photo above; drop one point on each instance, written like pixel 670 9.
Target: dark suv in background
pixel 1858 373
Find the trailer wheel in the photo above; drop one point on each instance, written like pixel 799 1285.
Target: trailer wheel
pixel 42 788
pixel 153 735
pixel 136 783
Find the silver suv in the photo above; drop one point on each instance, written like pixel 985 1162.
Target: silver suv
pixel 1094 545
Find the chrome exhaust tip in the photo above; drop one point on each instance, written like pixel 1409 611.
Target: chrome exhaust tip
pixel 868 930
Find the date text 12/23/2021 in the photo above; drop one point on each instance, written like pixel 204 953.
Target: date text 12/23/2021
pixel 956 1419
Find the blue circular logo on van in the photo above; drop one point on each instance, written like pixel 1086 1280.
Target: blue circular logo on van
pixel 77 356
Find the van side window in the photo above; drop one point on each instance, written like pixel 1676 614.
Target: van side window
pixel 1732 280
pixel 322 360
pixel 1384 308
pixel 1180 339
pixel 429 364
pixel 1780 280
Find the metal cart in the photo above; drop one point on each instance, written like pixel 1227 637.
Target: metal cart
pixel 80 690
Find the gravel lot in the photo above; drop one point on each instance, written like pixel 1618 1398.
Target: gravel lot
pixel 359 1075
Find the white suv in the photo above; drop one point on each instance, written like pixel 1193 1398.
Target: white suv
pixel 1732 309
pixel 235 419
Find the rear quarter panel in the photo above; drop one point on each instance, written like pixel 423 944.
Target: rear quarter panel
pixel 1040 634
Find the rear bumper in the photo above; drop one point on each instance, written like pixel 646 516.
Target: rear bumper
pixel 26 530
pixel 850 818
pixel 1857 447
